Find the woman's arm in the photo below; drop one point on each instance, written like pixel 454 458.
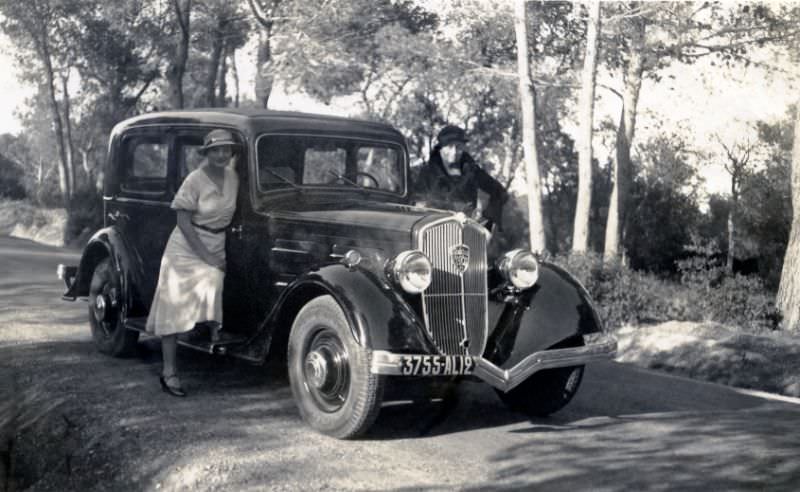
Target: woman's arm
pixel 189 232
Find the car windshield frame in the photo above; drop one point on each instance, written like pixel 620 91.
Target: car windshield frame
pixel 346 185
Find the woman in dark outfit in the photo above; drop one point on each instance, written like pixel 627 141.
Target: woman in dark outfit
pixel 451 179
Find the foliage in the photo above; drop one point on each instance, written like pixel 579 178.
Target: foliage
pixel 705 293
pixel 723 297
pixel 11 179
pixel 766 220
pixel 84 216
pixel 621 295
pixel 664 211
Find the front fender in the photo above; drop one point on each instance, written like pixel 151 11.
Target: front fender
pixel 380 317
pixel 555 310
pixel 109 243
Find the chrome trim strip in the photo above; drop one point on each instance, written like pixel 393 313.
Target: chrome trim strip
pixel 388 363
pixel 143 201
pixel 277 249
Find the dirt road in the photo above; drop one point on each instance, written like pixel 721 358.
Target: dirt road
pixel 88 422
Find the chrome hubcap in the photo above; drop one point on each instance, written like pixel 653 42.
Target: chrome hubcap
pixel 316 369
pixel 326 369
pixel 100 307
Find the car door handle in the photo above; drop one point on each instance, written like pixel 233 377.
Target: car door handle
pixel 116 216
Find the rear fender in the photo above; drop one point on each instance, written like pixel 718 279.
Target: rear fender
pixel 109 243
pixel 553 313
pixel 379 317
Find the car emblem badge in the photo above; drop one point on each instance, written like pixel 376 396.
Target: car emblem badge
pixel 460 255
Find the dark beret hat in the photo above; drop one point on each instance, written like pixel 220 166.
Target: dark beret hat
pixel 451 133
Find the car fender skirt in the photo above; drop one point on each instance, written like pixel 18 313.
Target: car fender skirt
pixel 380 318
pixel 556 312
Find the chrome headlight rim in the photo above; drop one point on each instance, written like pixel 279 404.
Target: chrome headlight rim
pixel 400 272
pixel 511 268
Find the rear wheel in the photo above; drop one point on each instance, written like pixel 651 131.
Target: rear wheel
pixel 107 313
pixel 547 391
pixel 329 372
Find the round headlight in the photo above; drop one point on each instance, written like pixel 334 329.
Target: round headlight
pixel 412 270
pixel 519 267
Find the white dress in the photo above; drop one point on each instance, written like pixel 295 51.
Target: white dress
pixel 190 290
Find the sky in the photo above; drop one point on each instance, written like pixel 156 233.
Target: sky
pixel 706 101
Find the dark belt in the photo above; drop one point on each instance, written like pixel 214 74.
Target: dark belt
pixel 213 230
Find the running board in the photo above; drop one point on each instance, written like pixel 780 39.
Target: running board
pixel 197 341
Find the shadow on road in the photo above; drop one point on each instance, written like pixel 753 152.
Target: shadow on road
pixel 649 431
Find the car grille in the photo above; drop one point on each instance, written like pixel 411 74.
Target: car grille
pixel 455 304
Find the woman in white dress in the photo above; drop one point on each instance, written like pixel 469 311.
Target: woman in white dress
pixel 193 266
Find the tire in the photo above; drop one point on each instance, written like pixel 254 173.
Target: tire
pixel 329 372
pixel 107 313
pixel 546 391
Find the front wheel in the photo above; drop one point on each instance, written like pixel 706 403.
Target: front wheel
pixel 546 391
pixel 329 372
pixel 106 313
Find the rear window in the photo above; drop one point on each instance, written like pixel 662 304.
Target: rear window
pixel 145 169
pixel 295 160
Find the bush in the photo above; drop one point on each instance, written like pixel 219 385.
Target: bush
pixel 11 180
pixel 733 299
pixel 706 293
pixel 84 217
pixel 621 295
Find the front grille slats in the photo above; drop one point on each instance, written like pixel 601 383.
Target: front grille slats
pixel 455 304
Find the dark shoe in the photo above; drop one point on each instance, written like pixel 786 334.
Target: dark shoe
pixel 172 390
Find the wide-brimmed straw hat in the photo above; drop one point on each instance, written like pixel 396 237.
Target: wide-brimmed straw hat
pixel 218 138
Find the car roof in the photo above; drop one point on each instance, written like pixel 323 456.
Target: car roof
pixel 256 121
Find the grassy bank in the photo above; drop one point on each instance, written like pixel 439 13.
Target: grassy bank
pixel 716 353
pixel 23 220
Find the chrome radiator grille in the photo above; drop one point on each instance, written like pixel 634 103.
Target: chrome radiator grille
pixel 455 305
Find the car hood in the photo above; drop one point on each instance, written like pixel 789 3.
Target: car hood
pixel 390 217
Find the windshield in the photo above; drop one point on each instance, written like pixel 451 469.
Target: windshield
pixel 299 160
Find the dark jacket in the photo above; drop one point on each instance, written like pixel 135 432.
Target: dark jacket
pixel 458 193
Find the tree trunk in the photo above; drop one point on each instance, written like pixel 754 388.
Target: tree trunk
pixel 222 79
pixel 235 71
pixel 68 131
pixel 527 94
pixel 580 233
pixel 625 132
pixel 264 78
pixel 729 256
pixel 177 67
pixel 217 45
pixel 88 167
pixel 788 299
pixel 731 227
pixel 63 168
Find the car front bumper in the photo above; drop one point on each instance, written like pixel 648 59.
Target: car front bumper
pixel 391 364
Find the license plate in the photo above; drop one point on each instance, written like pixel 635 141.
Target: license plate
pixel 436 365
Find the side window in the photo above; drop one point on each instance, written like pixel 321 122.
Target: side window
pixel 145 165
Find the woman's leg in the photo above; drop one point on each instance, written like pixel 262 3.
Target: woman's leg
pixel 169 378
pixel 169 349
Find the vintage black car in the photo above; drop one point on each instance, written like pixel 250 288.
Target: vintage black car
pixel 332 267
